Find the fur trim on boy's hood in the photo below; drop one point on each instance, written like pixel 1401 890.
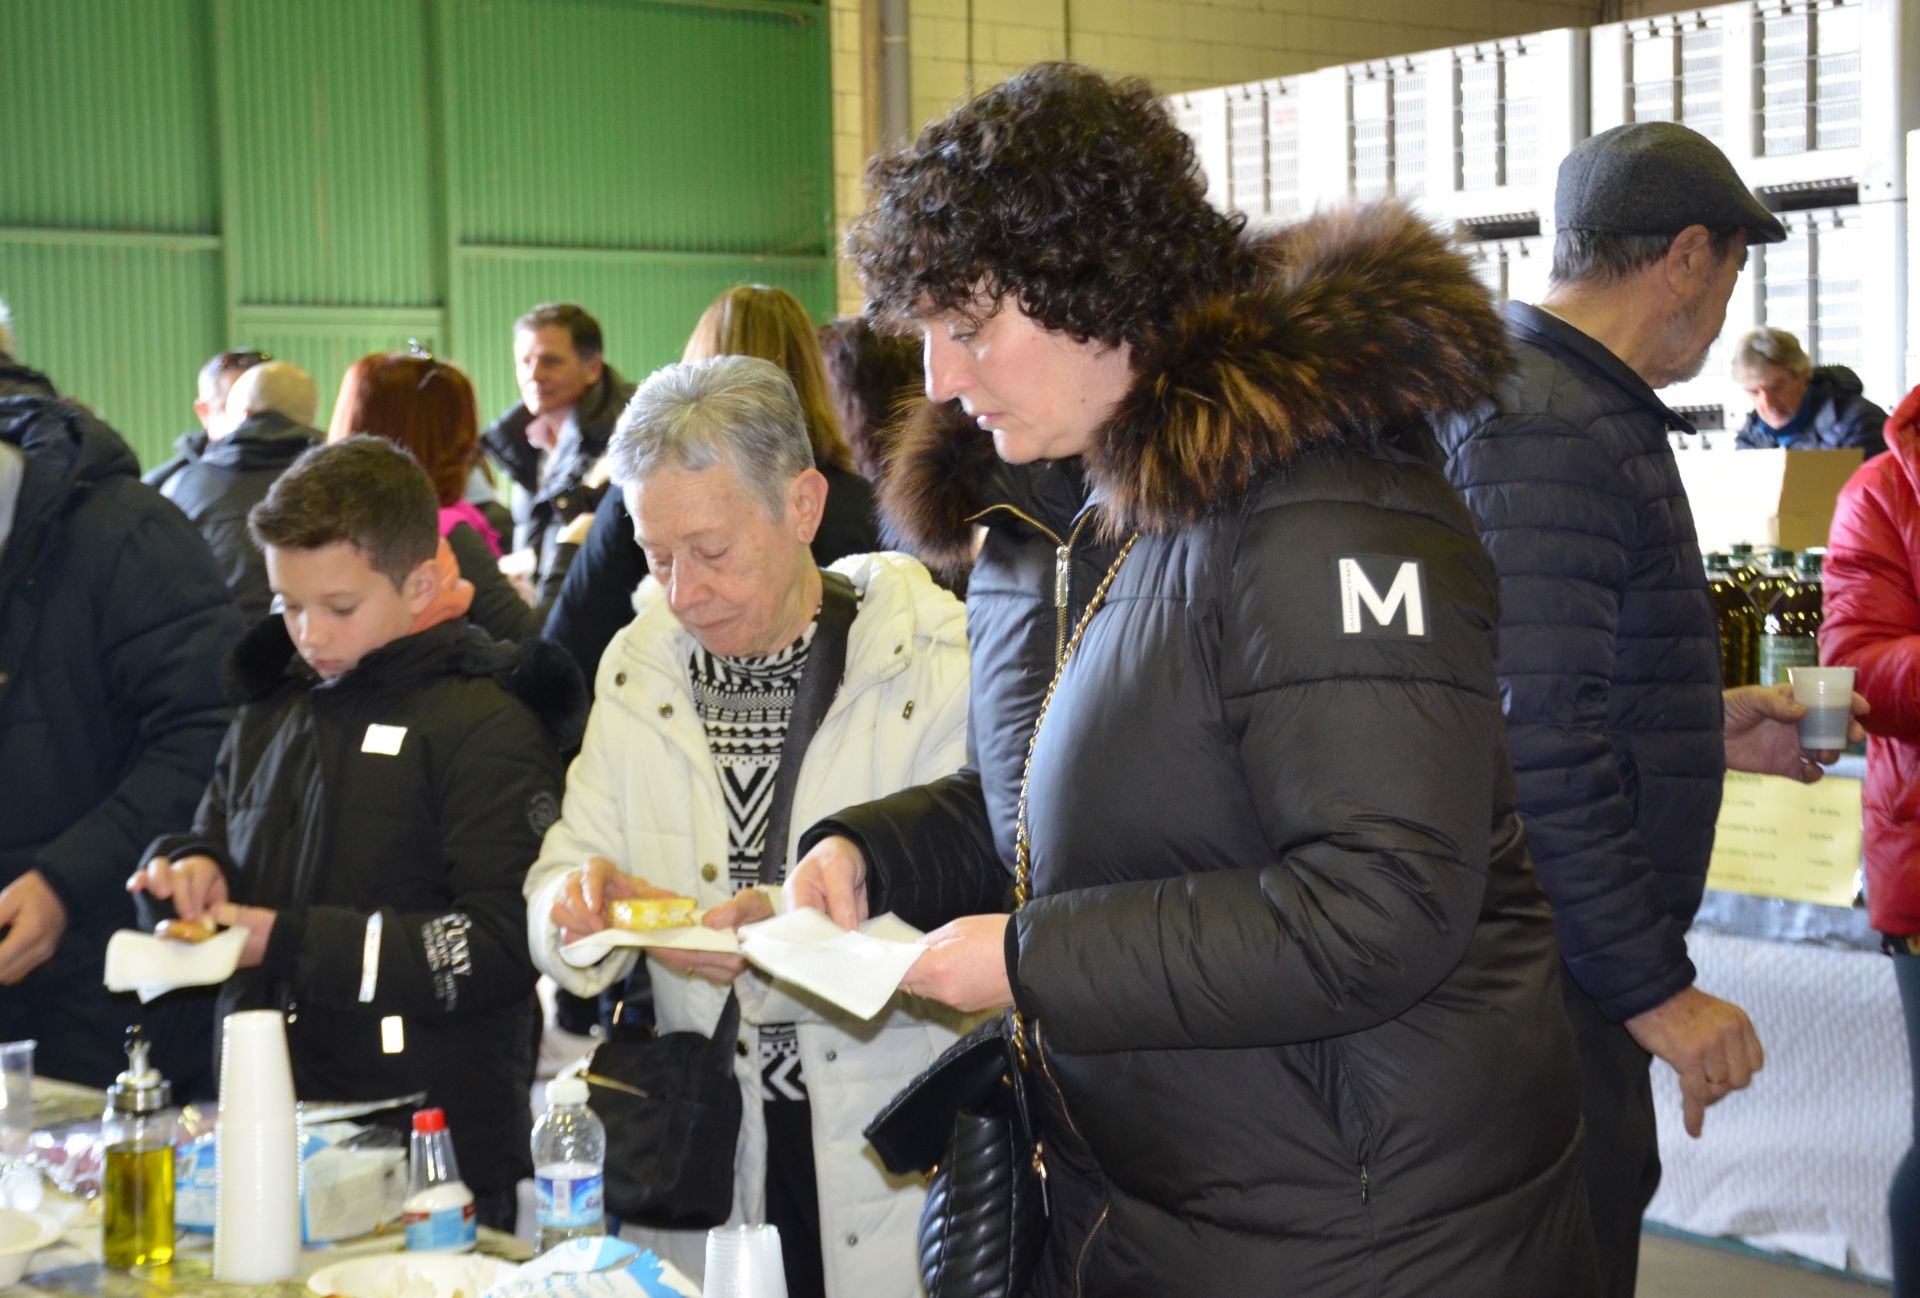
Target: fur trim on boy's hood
pixel 1357 322
pixel 538 672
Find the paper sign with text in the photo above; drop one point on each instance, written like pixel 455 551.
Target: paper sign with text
pixel 1780 838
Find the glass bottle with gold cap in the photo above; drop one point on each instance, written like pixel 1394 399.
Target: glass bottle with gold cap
pixel 137 1188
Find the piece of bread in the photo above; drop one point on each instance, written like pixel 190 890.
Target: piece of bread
pixel 639 915
pixel 187 930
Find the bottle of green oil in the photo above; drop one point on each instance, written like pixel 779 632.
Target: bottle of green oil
pixel 137 1188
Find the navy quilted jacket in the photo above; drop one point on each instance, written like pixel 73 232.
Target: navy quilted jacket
pixel 1609 657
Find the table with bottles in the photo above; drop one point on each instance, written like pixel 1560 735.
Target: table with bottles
pixel 74 1266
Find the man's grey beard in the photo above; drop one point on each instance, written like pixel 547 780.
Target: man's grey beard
pixel 1678 330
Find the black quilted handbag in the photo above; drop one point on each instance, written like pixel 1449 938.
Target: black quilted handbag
pixel 965 1120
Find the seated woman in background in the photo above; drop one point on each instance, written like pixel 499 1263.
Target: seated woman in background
pixel 427 407
pixel 1799 405
pixel 751 320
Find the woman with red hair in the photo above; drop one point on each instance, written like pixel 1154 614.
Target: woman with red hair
pixel 427 408
pixel 1872 624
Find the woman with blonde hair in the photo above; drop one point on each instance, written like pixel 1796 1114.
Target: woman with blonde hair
pixel 750 320
pixel 426 407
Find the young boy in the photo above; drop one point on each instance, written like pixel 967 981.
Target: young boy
pixel 377 801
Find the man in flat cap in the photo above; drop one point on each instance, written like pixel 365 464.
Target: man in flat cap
pixel 1609 657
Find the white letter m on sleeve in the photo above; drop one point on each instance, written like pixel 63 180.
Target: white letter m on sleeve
pixel 1361 600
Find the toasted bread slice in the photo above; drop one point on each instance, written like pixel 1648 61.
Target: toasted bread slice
pixel 640 915
pixel 186 930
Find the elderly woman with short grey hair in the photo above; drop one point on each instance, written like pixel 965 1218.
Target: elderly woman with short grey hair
pixel 1799 405
pixel 672 793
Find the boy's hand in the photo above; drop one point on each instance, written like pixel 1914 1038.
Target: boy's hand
pixel 258 923
pixel 194 884
pixel 581 907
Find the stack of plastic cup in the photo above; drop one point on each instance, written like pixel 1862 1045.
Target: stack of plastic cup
pixel 256 1227
pixel 744 1262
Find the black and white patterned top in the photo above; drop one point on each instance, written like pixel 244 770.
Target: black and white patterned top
pixel 745 705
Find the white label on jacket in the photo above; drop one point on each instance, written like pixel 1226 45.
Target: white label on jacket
pixel 1364 611
pixel 384 740
pixel 370 957
pixel 393 1035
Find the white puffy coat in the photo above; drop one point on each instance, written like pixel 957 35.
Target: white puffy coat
pixel 645 794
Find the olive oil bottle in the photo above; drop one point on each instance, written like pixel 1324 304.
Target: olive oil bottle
pixel 1738 622
pixel 1790 636
pixel 137 1188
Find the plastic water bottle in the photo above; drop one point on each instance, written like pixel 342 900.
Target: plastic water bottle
pixel 569 1157
pixel 439 1213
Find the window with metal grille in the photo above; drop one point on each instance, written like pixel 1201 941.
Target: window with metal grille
pixel 1496 116
pixel 1387 138
pixel 1247 150
pixel 1675 72
pixel 1811 284
pixel 1283 154
pixel 1809 76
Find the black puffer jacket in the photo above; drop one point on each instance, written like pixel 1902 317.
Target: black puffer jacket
pixel 215 483
pixel 551 491
pixel 1842 417
pixel 1290 976
pixel 1609 657
pixel 112 624
pixel 426 848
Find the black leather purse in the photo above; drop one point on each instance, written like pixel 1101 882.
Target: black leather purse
pixel 672 1111
pixel 965 1122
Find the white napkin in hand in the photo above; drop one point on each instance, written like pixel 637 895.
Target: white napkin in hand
pixel 591 949
pixel 140 962
pixel 859 971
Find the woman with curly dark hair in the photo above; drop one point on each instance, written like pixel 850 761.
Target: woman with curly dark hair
pixel 1286 985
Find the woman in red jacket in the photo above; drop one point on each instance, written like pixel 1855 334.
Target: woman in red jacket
pixel 1872 623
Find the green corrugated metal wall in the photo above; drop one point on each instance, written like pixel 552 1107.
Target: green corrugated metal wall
pixel 322 178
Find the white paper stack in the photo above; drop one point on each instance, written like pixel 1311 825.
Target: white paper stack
pixel 859 970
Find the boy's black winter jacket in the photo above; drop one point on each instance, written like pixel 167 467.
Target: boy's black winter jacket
pixel 389 816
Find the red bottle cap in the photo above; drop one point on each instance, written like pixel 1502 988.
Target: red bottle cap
pixel 427 1121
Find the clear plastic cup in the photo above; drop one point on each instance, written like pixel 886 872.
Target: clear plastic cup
pixel 744 1262
pixel 16 1095
pixel 1827 695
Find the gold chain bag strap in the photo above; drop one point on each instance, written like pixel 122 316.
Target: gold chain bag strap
pixel 965 1120
pixel 1022 847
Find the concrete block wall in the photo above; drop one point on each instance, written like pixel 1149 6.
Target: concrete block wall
pixel 960 47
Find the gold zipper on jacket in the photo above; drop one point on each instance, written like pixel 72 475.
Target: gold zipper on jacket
pixel 1046 1068
pixel 1062 586
pixel 1040 1050
pixel 1062 567
pixel 1080 1262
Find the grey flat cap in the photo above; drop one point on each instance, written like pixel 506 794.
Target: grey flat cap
pixel 1656 178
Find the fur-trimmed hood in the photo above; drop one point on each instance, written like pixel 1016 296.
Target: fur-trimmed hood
pixel 539 673
pixel 1355 324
